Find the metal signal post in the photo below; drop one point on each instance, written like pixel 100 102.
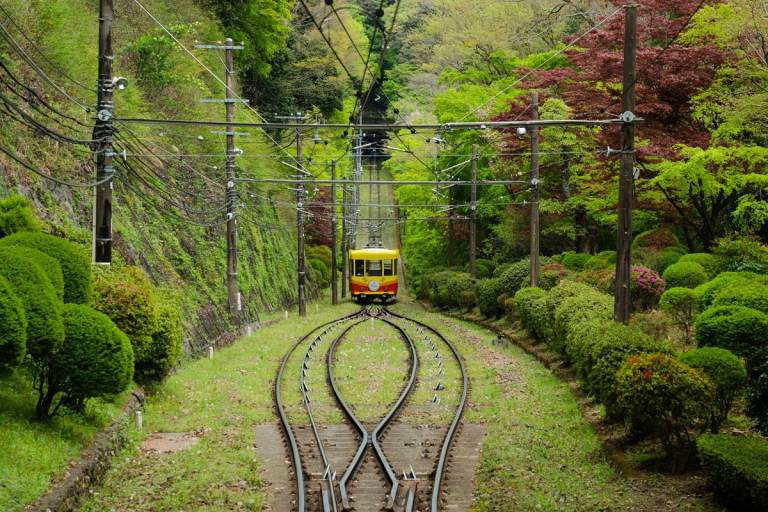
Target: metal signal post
pixel 334 249
pixel 535 225
pixel 473 216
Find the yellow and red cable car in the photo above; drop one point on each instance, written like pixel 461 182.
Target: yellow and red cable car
pixel 373 273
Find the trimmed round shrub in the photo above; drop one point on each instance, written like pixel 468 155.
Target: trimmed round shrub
pixel 654 323
pixel 726 371
pixel 710 262
pixel 125 295
pixel 488 292
pixel 599 348
pixel 688 275
pixel 597 262
pixel 484 268
pixel 13 328
pixel 557 296
pixel 657 239
pixel 448 287
pixel 575 260
pixel 517 276
pixel 551 274
pixel 323 271
pixel 753 296
pixel 17 213
pixel 600 279
pixel 669 398
pixel 682 305
pixel 500 269
pixel 736 468
pixel 96 358
pixel 711 289
pixel 319 252
pixel 743 331
pixel 577 309
pixel 48 265
pixel 523 302
pixel 667 257
pixel 167 338
pixel 75 264
pixel 45 330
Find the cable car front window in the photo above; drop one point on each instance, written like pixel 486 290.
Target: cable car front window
pixel 359 268
pixel 387 267
pixel 373 267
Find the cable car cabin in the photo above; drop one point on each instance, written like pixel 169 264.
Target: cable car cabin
pixel 373 273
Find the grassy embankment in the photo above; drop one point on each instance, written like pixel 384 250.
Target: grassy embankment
pixel 539 452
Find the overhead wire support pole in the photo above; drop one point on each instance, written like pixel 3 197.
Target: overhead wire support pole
pixel 535 194
pixel 622 299
pixel 334 249
pixel 344 240
pixel 234 298
pixel 473 216
pixel 102 140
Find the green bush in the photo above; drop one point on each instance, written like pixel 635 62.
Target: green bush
pixel 500 269
pixel 597 262
pixel 524 305
pixel 127 297
pixel 323 271
pixel 669 398
pixel 96 360
pixel 682 305
pixel 13 328
pixel 667 257
pixel 574 310
pixel 711 289
pixel 737 468
pixel 484 268
pixel 600 279
pixel 753 296
pixel 167 338
pixel 743 254
pixel 757 396
pixel 551 274
pixel 557 295
pixel 575 260
pixel 449 286
pixel 710 262
pixel 657 239
pixel 688 275
pixel 48 264
pixel 75 264
pixel 726 371
pixel 319 252
pixel 45 330
pixel 488 291
pixel 17 214
pixel 654 323
pixel 599 348
pixel 736 328
pixel 517 276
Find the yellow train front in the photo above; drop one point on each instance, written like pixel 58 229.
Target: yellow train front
pixel 373 274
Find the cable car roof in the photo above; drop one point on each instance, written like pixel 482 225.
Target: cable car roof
pixel 373 253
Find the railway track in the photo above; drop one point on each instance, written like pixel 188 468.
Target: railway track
pixel 353 465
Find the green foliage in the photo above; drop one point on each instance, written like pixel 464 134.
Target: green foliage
pixel 656 239
pixel 516 276
pixel 13 328
pixel 575 260
pixel 524 301
pixel 600 279
pixel 45 331
pixel 709 262
pixel 48 264
pixel 574 310
pixel 667 257
pixel 17 214
pixel 323 271
pixel 167 338
pixel 688 275
pixel 488 291
pixel 451 290
pixel 753 296
pixel 484 268
pixel 666 396
pixel 127 297
pixel 682 305
pixel 709 290
pixel 736 328
pixel 319 252
pixel 557 296
pixel 736 467
pixel 728 374
pixel 597 262
pixel 95 360
pixel 75 265
pixel 741 252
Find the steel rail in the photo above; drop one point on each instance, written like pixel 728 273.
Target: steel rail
pixel 450 435
pixel 357 459
pixel 295 456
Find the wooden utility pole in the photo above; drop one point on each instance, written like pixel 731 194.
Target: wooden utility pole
pixel 535 227
pixel 622 299
pixel 334 228
pixel 300 225
pixel 233 292
pixel 344 240
pixel 473 216
pixel 102 141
